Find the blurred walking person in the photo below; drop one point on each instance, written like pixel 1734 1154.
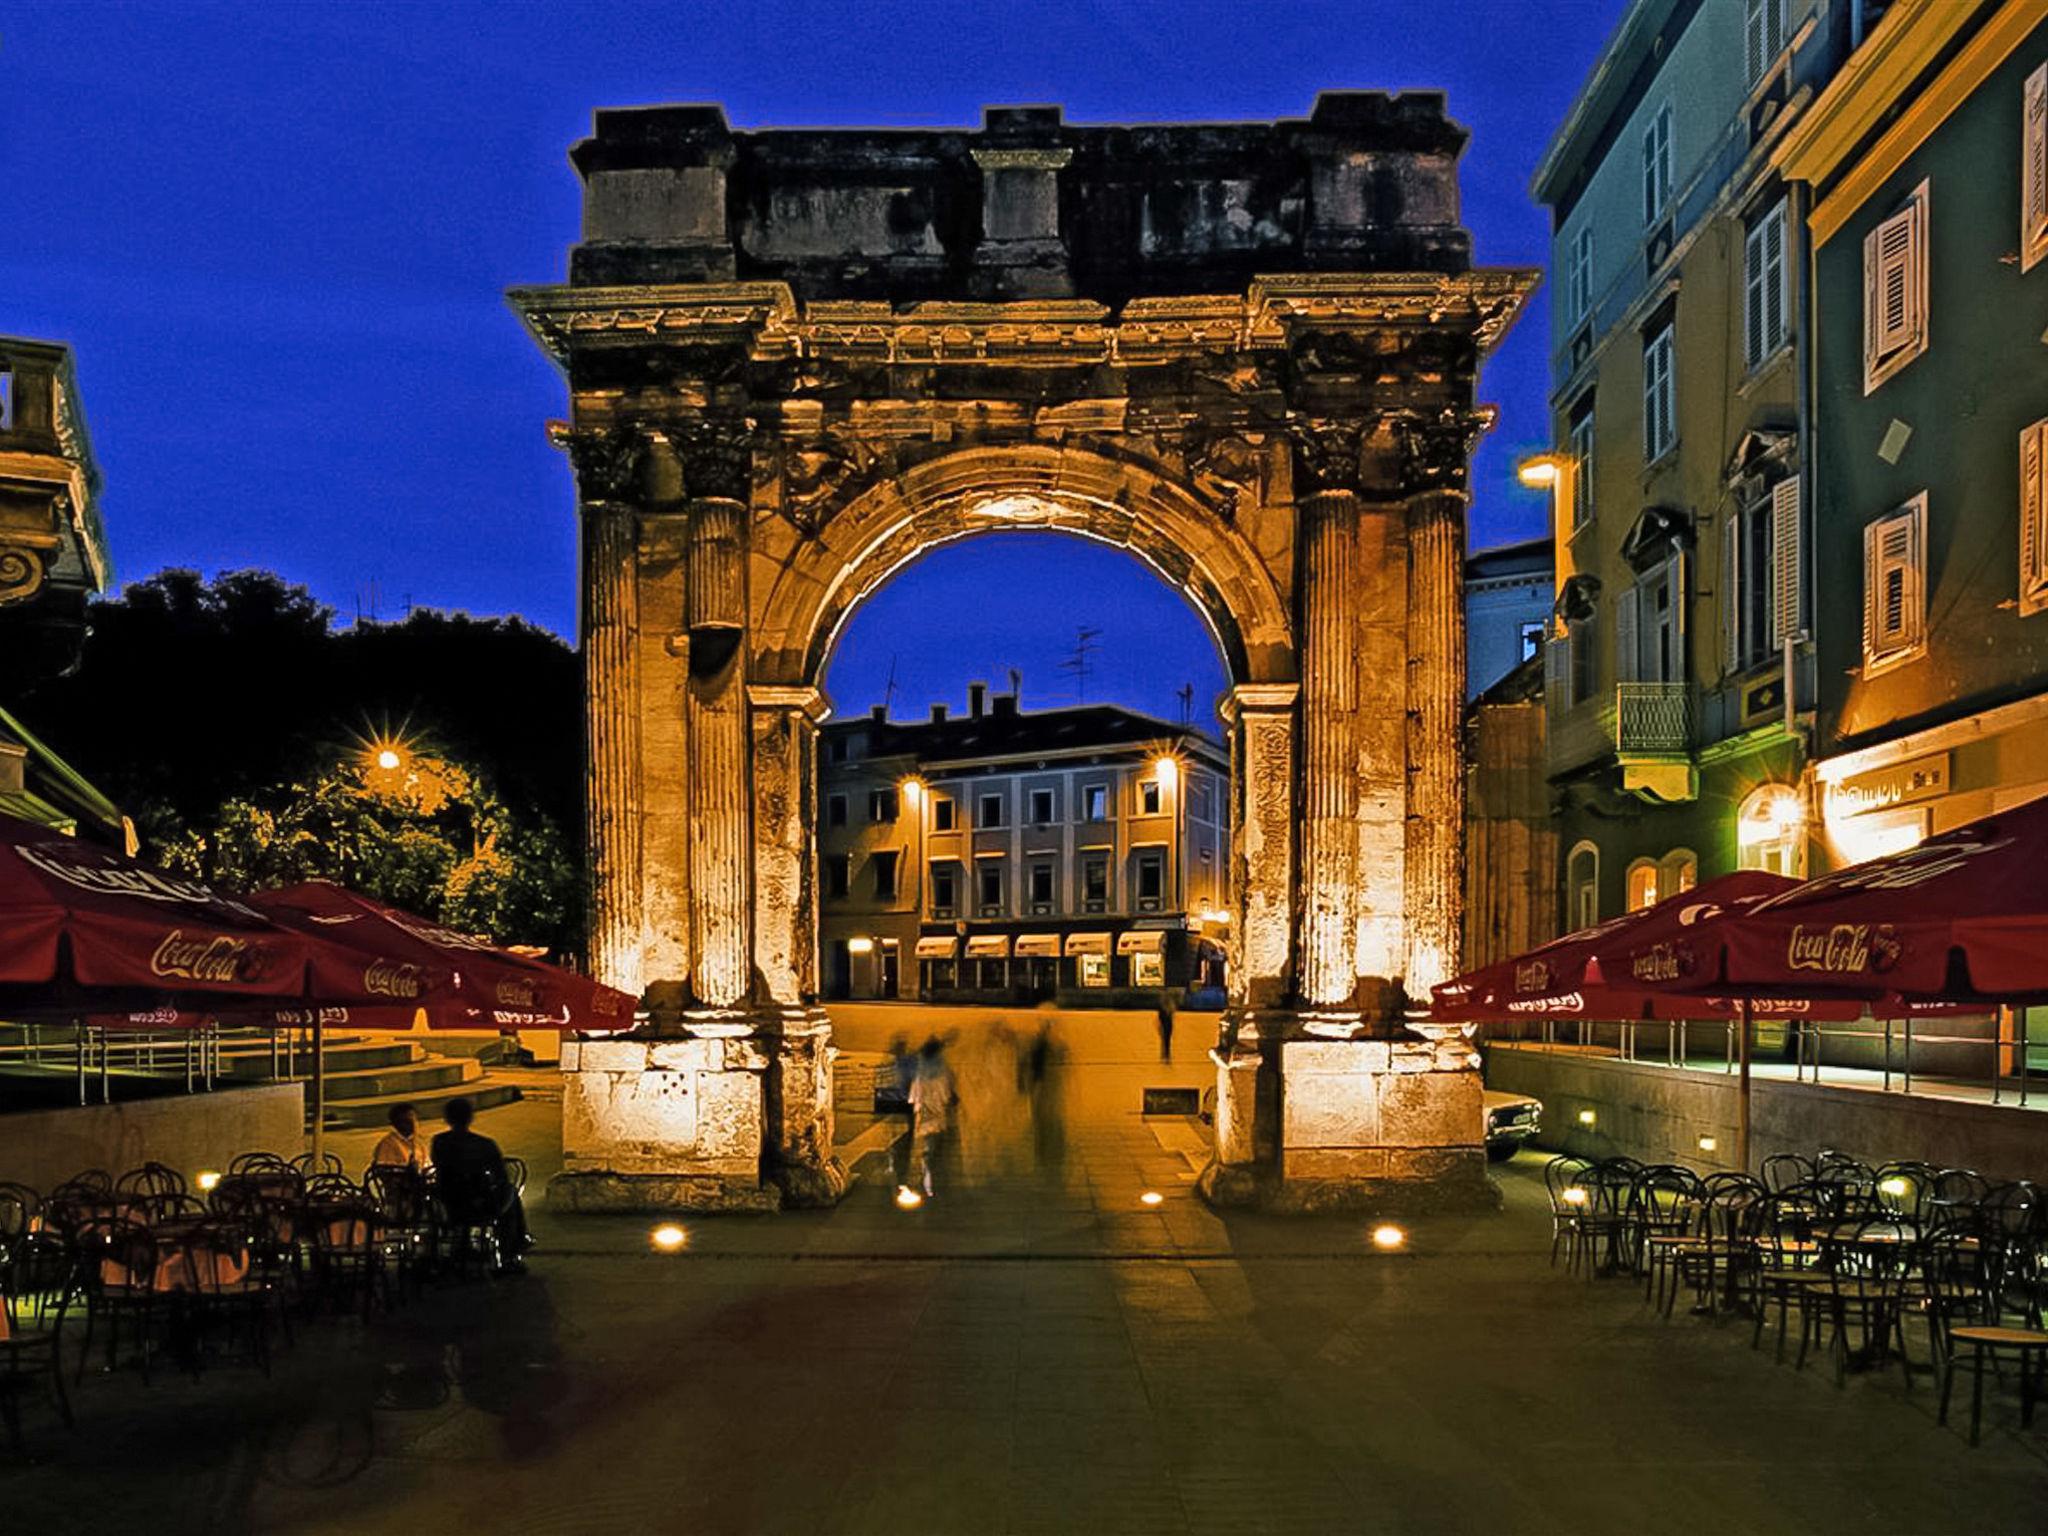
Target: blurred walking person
pixel 1166 1026
pixel 933 1100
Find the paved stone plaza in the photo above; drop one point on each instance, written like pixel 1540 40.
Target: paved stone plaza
pixel 1029 1352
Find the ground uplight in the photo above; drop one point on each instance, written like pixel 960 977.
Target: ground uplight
pixel 1575 1196
pixel 668 1237
pixel 1896 1188
pixel 1151 1197
pixel 1587 1117
pixel 908 1198
pixel 206 1181
pixel 1388 1236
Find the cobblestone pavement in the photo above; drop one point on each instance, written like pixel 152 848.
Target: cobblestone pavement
pixel 1034 1350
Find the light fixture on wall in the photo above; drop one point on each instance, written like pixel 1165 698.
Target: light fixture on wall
pixel 860 946
pixel 1587 1117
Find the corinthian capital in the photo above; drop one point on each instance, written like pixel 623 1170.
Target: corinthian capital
pixel 1436 451
pixel 1328 456
pixel 715 458
pixel 606 459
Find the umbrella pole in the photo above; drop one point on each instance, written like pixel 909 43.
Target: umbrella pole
pixel 319 1090
pixel 1742 1092
pixel 78 1038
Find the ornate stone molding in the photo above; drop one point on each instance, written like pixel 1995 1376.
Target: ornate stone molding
pixel 606 460
pixel 1436 451
pixel 1328 456
pixel 714 457
pixel 21 573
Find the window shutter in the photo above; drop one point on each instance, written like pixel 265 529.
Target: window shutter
pixel 2034 161
pixel 2033 514
pixel 1786 585
pixel 1894 283
pixel 1873 579
pixel 1731 593
pixel 1627 648
pixel 1753 296
pixel 1754 56
pixel 1773 297
pixel 1676 570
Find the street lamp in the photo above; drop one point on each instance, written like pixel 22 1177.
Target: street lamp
pixel 1540 473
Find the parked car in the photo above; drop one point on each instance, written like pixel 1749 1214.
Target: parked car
pixel 1511 1119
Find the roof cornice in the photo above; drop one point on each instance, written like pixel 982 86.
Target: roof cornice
pixel 1597 98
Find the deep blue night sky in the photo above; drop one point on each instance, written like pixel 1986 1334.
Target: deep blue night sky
pixel 278 236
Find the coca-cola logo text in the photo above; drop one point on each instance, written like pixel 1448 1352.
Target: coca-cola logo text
pixel 1532 976
pixel 74 867
pixel 1847 949
pixel 1660 962
pixel 391 978
pixel 214 958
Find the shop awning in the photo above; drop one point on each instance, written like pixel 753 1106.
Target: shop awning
pixel 1141 941
pixel 938 947
pixel 1038 945
pixel 1087 943
pixel 989 946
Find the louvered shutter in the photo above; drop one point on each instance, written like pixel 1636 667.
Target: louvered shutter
pixel 1731 593
pixel 2033 513
pixel 1753 296
pixel 1627 648
pixel 1873 580
pixel 1677 571
pixel 2034 163
pixel 1773 281
pixel 1754 55
pixel 1786 576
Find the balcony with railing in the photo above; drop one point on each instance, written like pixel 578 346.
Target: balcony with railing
pixel 1644 728
pixel 1652 720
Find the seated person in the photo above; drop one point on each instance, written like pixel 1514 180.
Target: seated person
pixel 469 1173
pixel 401 1146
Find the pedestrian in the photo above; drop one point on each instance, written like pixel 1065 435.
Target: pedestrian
pixel 1165 1012
pixel 933 1099
pixel 470 1177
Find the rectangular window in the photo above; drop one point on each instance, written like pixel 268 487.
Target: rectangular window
pixel 883 863
pixel 2034 169
pixel 1095 883
pixel 1532 638
pixel 1895 587
pixel 882 804
pixel 839 749
pixel 1582 464
pixel 1151 880
pixel 1763 288
pixel 1895 291
pixel 1578 288
pixel 1148 798
pixel 1660 429
pixel 1093 970
pixel 2034 518
pixel 988 876
pixel 945 813
pixel 945 890
pixel 835 810
pixel 1041 884
pixel 1041 807
pixel 836 868
pixel 1657 165
pixel 1095 802
pixel 1763 37
pixel 1148 970
pixel 1579 637
pixel 991 812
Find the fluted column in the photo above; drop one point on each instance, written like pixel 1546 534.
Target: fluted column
pixel 785 737
pixel 720 785
pixel 1436 700
pixel 612 722
pixel 1329 685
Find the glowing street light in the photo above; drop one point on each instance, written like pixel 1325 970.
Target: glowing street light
pixel 1166 768
pixel 1587 1117
pixel 1576 1195
pixel 1387 1237
pixel 208 1181
pixel 1151 1197
pixel 907 1199
pixel 1540 473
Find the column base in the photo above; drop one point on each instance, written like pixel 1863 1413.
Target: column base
pixel 800 1121
pixel 1367 1119
pixel 657 1123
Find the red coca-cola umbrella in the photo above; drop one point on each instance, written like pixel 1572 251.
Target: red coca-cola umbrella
pixel 1961 919
pixel 383 963
pixel 79 921
pixel 1566 979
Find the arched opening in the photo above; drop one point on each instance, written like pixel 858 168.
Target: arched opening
pixel 1024 802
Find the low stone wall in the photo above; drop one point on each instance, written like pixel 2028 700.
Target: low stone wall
pixel 188 1132
pixel 1659 1114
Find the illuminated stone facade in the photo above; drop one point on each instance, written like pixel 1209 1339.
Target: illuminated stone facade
pixel 1245 353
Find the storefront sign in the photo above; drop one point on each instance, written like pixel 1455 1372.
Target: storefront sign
pixel 1901 784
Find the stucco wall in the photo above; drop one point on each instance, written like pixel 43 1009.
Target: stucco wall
pixel 189 1132
pixel 1658 1115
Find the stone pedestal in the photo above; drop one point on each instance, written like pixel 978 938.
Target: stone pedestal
pixel 664 1125
pixel 1364 1123
pixel 799 1119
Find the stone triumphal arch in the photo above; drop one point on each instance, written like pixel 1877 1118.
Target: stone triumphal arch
pixel 1244 352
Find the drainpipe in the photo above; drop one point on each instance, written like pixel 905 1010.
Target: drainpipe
pixel 1809 519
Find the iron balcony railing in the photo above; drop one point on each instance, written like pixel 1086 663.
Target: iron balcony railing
pixel 1653 719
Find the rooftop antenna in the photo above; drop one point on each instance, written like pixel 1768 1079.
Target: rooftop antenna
pixel 1186 695
pixel 1017 686
pixel 1077 665
pixel 889 688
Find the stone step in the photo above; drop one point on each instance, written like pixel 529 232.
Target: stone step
pixel 420 1077
pixel 353 1056
pixel 347 1114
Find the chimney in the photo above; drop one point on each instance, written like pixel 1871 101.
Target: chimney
pixel 977 694
pixel 938 714
pixel 1005 704
pixel 879 714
